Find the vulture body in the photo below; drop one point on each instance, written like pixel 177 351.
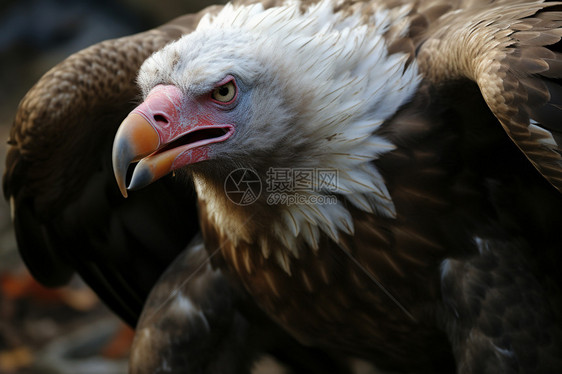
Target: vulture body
pixel 415 145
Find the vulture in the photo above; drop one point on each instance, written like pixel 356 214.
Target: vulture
pixel 322 181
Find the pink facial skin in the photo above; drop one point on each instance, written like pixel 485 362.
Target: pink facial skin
pixel 185 127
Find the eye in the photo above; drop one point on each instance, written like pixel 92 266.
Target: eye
pixel 225 93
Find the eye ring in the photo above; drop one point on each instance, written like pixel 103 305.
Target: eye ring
pixel 225 93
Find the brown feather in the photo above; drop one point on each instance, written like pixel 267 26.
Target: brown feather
pixel 516 56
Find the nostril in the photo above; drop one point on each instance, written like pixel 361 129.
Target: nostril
pixel 160 118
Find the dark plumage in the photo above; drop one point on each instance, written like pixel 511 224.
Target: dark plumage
pixel 67 212
pixel 440 250
pixel 197 321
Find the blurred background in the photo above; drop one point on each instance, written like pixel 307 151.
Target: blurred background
pixel 65 330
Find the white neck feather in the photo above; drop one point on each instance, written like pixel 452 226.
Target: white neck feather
pixel 347 85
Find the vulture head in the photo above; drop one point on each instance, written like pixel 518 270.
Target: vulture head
pixel 277 88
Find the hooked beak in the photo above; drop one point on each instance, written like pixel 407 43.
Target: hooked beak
pixel 155 134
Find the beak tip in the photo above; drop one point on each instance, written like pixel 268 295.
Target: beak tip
pixel 121 183
pixel 134 139
pixel 142 177
pixel 123 191
pixel 120 165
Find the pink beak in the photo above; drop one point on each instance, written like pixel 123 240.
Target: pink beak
pixel 164 133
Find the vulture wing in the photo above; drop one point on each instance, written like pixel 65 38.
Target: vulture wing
pixel 512 52
pixel 68 214
pixel 505 59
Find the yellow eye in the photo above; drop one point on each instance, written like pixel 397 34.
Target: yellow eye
pixel 224 93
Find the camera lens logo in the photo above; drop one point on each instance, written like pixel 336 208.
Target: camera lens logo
pixel 242 186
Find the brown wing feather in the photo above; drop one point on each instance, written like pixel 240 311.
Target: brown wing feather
pixel 512 51
pixel 67 214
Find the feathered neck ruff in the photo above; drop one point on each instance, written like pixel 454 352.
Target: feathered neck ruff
pixel 345 85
